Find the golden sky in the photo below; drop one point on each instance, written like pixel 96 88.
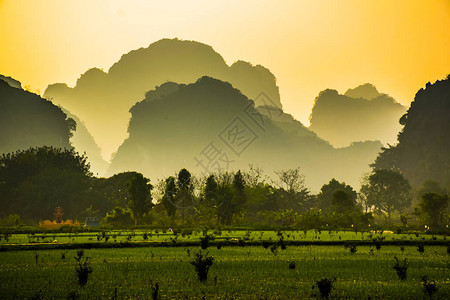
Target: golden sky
pixel 311 45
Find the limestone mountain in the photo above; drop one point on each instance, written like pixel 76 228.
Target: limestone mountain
pixel 102 99
pixel 422 151
pixel 361 114
pixel 209 125
pixel 27 120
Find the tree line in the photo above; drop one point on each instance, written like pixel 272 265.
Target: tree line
pixel 34 182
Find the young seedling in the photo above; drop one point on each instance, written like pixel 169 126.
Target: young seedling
pixel 155 291
pixel 204 241
pixel 401 268
pixel 82 269
pixel 292 265
pixel 429 287
pixel 202 263
pixel 325 286
pixel 420 248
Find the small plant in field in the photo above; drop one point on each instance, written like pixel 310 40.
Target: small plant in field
pixel 266 244
pixel 155 291
pixel 36 257
pixel 202 262
pixel 292 265
pixel 145 236
pixel 420 248
pixel 282 244
pixel 219 245
pixel 428 287
pixel 377 242
pixel 351 247
pixel 204 241
pixel 188 251
pixel 402 249
pixel 401 268
pixel 274 249
pixel 325 286
pixel 82 269
pixel 63 255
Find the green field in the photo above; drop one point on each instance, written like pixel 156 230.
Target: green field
pixel 159 236
pixel 237 271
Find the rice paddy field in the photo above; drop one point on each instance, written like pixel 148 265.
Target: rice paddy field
pixel 254 267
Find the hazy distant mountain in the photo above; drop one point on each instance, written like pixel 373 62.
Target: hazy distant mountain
pixel 366 91
pixel 11 81
pixel 27 120
pixel 30 109
pixel 83 142
pixel 422 152
pixel 102 99
pixel 361 114
pixel 209 125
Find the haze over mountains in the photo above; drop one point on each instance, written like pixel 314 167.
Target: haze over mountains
pixel 27 120
pixel 210 126
pixel 360 114
pixel 422 152
pixel 113 93
pixel 186 102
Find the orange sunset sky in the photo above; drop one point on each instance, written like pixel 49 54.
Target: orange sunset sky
pixel 309 45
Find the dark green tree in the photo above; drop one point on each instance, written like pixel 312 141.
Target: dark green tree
pixel 231 198
pixel 422 149
pixel 434 206
pixel 387 191
pixel 325 197
pixel 34 182
pixel 184 196
pixel 140 196
pixel 342 201
pixel 168 199
pixel 292 193
pixel 210 192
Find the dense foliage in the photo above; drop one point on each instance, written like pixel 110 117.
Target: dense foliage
pixel 422 150
pixel 34 182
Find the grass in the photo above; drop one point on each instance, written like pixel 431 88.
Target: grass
pixel 238 272
pixel 120 236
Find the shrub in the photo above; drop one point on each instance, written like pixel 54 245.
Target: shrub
pixel 82 269
pixel 429 287
pixel 204 241
pixel 266 244
pixel 325 286
pixel 401 268
pixel 420 248
pixel 155 291
pixel 202 262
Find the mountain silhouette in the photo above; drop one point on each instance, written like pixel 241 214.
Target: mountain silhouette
pixel 102 99
pixel 83 142
pixel 366 91
pixel 27 120
pixel 422 152
pixel 361 114
pixel 31 121
pixel 209 126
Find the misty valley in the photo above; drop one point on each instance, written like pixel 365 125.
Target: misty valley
pixel 176 175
